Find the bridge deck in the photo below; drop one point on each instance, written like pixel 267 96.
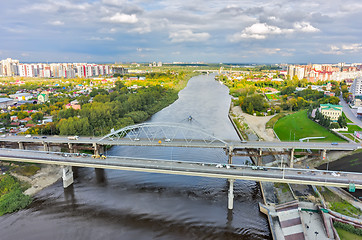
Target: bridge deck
pixel 194 143
pixel 215 170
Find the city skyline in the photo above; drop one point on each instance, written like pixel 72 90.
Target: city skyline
pixel 188 31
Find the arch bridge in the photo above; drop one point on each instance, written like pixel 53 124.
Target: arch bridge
pixel 175 134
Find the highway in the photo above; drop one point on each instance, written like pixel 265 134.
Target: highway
pixel 215 170
pixel 183 143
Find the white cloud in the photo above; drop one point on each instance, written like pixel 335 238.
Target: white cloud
pixel 271 50
pixel 354 47
pixel 305 27
pixel 263 30
pixel 188 36
pixel 343 49
pixel 56 23
pixel 101 39
pixel 121 18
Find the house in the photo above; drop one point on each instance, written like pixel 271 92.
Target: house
pixel 331 111
pixel 21 96
pixel 6 102
pixel 329 93
pixel 73 104
pixel 42 98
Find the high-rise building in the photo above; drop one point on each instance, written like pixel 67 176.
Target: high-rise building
pixel 356 90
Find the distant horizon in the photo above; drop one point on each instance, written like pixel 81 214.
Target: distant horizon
pixel 179 63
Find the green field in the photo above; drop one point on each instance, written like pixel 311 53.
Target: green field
pixel 272 96
pixel 298 125
pixel 344 235
pixel 347 119
pixel 351 129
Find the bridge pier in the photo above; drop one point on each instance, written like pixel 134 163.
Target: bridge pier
pixel 260 157
pixel 67 176
pixel 230 160
pixel 71 148
pixel 98 149
pixel 46 147
pixel 291 162
pixel 231 194
pixel 324 153
pixel 21 146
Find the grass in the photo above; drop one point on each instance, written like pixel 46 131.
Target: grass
pixel 351 136
pixel 351 129
pixel 273 120
pixel 27 170
pixel 11 195
pixel 344 235
pixel 347 119
pixel 298 125
pixel 339 205
pixel 272 96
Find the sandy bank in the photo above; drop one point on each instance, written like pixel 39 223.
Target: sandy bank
pixel 45 177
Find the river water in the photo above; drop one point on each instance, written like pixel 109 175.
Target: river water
pixel 112 204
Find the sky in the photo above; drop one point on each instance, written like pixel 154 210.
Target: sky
pixel 231 31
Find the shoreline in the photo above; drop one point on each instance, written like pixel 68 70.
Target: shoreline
pixel 46 176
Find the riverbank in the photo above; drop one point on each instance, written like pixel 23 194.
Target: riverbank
pixel 46 176
pixel 273 194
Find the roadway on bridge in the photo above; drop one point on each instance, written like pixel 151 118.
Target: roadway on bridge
pixel 182 143
pixel 216 170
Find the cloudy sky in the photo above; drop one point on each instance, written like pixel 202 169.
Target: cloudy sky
pixel 242 31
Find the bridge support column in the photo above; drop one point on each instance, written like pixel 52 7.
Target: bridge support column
pixel 67 176
pixel 230 160
pixel 98 149
pixel 231 194
pixel 46 147
pixel 260 157
pixel 291 162
pixel 324 153
pixel 71 149
pixel 21 146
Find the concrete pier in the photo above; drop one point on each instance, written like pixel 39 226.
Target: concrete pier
pixel 67 176
pixel 231 194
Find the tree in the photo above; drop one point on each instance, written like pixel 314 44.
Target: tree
pixel 37 116
pixel 342 121
pixel 256 101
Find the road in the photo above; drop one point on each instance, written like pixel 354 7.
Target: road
pixel 348 112
pixel 214 170
pixel 183 143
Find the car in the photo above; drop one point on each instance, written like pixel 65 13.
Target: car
pixel 167 140
pixel 334 143
pixel 28 136
pixel 44 137
pixel 136 139
pixel 3 136
pixel 35 138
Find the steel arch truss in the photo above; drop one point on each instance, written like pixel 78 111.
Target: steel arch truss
pixel 165 132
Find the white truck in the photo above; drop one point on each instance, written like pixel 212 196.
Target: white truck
pixel 73 137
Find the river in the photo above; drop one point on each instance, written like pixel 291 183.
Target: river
pixel 112 204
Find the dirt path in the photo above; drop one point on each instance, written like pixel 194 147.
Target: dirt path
pixel 256 124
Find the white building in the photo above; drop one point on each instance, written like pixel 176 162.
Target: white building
pixel 5 102
pixel 21 96
pixel 356 90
